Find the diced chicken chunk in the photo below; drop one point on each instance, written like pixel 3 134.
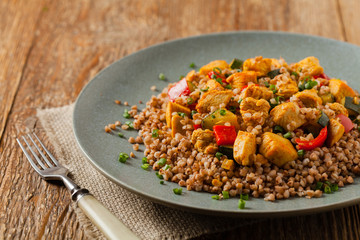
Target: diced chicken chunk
pixel 176 126
pixel 254 112
pixel 340 90
pixel 174 107
pixel 288 116
pixel 214 85
pixel 308 66
pixel 213 99
pixel 338 109
pixel 244 148
pixel 259 65
pixel 277 149
pixel 256 92
pixel 241 79
pixel 309 98
pixel 285 86
pixel 204 141
pixel 335 132
pixel 214 64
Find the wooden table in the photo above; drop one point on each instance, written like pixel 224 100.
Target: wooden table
pixel 49 50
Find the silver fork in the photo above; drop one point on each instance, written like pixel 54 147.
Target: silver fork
pixel 51 169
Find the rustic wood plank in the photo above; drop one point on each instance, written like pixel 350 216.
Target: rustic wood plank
pixel 74 40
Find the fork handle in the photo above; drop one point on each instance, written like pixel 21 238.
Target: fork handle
pixel 106 222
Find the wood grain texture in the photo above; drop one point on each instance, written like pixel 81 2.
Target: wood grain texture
pixel 49 50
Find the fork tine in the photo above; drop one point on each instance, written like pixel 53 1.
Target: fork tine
pixel 34 154
pixel 41 153
pixel 28 157
pixel 47 151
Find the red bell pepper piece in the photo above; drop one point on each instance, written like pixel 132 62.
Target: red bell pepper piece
pixel 312 144
pixel 225 135
pixel 346 122
pixel 322 75
pixel 215 75
pixel 246 87
pixel 197 126
pixel 181 88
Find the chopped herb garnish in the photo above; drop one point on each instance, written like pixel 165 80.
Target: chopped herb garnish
pixel 161 162
pixel 121 135
pixel 295 74
pixel 166 167
pixel 219 80
pixel 327 189
pixel 123 157
pixel 204 90
pixel 162 182
pixel 177 191
pixel 232 109
pixel 334 187
pixel 213 116
pixel 162 76
pixel 218 155
pixel 225 194
pixel 301 153
pixel 190 101
pixel 193 112
pixel 319 185
pixel 241 204
pixel 216 197
pixel 278 129
pixel 222 112
pixel 217 70
pixel 155 133
pixel 287 135
pixel 240 100
pixel 126 114
pixel 145 166
pixel 272 87
pixel 192 65
pixel 236 63
pixel 144 160
pixel 130 124
pixel 228 86
pixel 310 84
pixel 266 84
pixel 159 175
pixel 181 114
pixel 244 197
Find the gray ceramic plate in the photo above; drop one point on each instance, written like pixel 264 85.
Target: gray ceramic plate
pixel 130 79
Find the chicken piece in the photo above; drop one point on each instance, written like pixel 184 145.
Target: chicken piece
pixel 307 66
pixel 259 65
pixel 244 148
pixel 214 85
pixel 257 92
pixel 260 159
pixel 335 132
pixel 340 90
pixel 204 70
pixel 191 76
pixel 338 109
pixel 176 126
pixel 309 98
pixel 286 87
pixel 254 112
pixel 277 149
pixel 288 116
pixel 204 141
pixel 213 99
pixel 174 107
pixel 241 79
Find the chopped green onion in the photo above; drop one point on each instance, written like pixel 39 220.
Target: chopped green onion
pixel 204 90
pixel 272 87
pixel 225 194
pixel 218 155
pixel 327 189
pixel 359 128
pixel 192 65
pixel 162 182
pixel 190 101
pixel 236 63
pixel 219 80
pixel 334 187
pixel 213 116
pixel 216 197
pixel 319 185
pixel 123 157
pixel 162 76
pixel 244 197
pixel 241 204
pixel 240 100
pixel 193 112
pixel 278 129
pixel 222 112
pixel 181 114
pixel 159 175
pixel 217 70
pixel 145 166
pixel 228 86
pixel 232 109
pixel 155 133
pixel 144 160
pixel 301 153
pixel 161 162
pixel 266 84
pixel 130 124
pixel 126 114
pixel 287 135
pixel 121 135
pixel 177 191
pixel 166 167
pixel 295 74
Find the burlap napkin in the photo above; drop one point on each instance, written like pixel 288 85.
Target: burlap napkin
pixel 147 219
